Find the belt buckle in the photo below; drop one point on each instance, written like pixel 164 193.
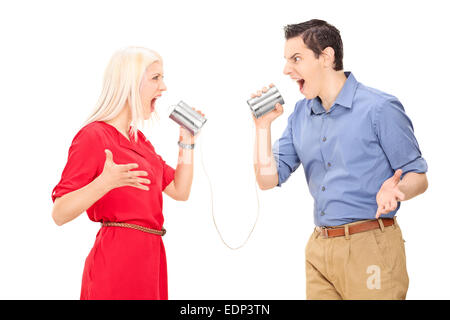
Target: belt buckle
pixel 326 232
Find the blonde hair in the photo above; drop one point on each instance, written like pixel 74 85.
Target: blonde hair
pixel 121 84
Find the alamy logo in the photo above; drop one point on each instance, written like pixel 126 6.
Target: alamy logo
pixel 374 280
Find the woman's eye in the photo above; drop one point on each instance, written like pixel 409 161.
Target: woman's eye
pixel 155 78
pixel 297 59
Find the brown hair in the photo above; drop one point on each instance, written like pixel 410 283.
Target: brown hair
pixel 318 35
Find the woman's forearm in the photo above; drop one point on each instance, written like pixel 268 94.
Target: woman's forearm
pixel 264 163
pixel 184 173
pixel 72 204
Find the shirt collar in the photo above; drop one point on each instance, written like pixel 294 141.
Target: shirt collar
pixel 344 98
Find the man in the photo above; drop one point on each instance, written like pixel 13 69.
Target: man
pixel 360 158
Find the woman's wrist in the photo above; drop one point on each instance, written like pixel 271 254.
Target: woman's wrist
pixel 184 145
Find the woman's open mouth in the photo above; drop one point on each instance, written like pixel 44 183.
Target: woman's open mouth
pixel 152 103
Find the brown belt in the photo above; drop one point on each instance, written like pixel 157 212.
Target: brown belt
pixel 356 228
pixel 134 226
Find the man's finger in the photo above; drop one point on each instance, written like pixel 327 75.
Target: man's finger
pixel 400 195
pixel 377 215
pixel 393 205
pixel 397 175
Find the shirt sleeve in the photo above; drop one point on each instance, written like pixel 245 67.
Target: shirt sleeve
pixel 84 163
pixel 286 157
pixel 396 135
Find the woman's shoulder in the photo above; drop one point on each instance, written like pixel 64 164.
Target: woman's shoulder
pixel 90 133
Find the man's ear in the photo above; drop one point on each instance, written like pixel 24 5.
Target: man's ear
pixel 328 57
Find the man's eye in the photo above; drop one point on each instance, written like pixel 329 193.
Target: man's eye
pixel 296 59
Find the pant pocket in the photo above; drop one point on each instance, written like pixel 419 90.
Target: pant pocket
pixel 381 247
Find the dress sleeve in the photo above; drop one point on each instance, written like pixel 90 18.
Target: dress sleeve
pixel 84 163
pixel 396 135
pixel 168 174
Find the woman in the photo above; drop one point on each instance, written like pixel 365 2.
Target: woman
pixel 114 173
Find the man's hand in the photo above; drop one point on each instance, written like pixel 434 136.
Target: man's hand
pixel 266 120
pixel 389 194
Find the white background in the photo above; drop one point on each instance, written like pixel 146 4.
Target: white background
pixel 53 54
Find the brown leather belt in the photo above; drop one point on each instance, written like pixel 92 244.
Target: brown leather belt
pixel 356 228
pixel 134 226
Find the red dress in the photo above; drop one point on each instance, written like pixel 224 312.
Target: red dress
pixel 123 263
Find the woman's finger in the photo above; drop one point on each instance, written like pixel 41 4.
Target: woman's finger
pixel 109 155
pixel 139 186
pixel 137 173
pixel 128 167
pixel 264 89
pixel 141 180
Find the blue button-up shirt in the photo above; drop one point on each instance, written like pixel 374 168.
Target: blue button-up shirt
pixel 348 152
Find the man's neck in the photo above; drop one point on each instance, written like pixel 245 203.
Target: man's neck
pixel 332 86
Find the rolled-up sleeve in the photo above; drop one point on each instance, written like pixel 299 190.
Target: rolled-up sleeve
pixel 396 135
pixel 285 155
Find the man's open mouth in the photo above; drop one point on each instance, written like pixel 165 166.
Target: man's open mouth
pixel 301 83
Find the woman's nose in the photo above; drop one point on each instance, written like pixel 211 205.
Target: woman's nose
pixel 162 87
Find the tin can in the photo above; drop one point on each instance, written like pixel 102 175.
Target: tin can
pixel 186 117
pixel 266 102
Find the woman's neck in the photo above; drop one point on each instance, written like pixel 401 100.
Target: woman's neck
pixel 122 122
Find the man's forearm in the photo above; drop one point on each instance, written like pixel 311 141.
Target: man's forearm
pixel 413 184
pixel 264 163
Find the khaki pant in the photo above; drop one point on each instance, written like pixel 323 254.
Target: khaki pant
pixel 365 265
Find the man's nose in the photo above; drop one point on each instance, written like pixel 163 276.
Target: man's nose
pixel 286 69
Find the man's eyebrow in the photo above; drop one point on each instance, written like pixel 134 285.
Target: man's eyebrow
pixel 294 55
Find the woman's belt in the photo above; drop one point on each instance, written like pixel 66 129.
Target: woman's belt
pixel 134 226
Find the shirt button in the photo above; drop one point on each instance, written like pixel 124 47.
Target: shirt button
pixel 324 139
pixel 329 164
pixel 322 213
pixel 323 188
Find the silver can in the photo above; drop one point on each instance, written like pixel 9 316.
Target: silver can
pixel 266 102
pixel 186 117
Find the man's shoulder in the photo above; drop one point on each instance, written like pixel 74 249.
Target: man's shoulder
pixel 374 95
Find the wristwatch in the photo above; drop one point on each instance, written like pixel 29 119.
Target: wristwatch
pixel 186 146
